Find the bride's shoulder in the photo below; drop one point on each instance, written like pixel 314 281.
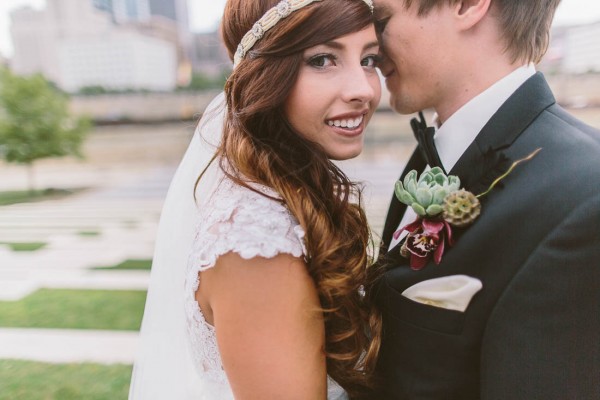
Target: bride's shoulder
pixel 248 203
pixel 249 220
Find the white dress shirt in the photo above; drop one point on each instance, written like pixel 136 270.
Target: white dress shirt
pixel 456 134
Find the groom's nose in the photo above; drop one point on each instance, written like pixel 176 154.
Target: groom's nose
pixel 385 64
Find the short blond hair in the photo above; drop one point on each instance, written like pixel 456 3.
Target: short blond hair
pixel 525 24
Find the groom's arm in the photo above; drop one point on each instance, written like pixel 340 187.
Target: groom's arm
pixel 542 340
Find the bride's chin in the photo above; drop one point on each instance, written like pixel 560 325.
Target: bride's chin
pixel 345 155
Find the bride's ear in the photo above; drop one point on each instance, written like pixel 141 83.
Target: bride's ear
pixel 469 13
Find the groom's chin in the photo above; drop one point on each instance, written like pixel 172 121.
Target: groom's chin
pixel 402 105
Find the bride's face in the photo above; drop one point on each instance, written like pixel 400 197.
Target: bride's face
pixel 336 93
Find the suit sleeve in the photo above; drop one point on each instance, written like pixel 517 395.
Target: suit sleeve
pixel 542 340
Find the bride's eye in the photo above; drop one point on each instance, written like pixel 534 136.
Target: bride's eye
pixel 371 61
pixel 322 61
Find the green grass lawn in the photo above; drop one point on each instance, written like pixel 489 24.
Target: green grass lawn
pixel 130 264
pixel 75 309
pixel 33 246
pixel 39 381
pixel 25 196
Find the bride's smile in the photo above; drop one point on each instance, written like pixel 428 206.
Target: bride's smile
pixel 263 233
pixel 336 93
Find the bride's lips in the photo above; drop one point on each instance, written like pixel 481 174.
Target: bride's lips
pixel 349 124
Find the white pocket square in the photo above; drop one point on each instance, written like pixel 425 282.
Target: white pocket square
pixel 451 292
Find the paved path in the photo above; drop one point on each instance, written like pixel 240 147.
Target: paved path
pixel 16 284
pixel 125 213
pixel 95 229
pixel 68 346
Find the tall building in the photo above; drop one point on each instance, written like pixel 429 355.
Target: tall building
pixel 582 49
pixel 141 10
pixel 175 10
pixel 130 10
pixel 573 50
pixel 104 5
pixel 75 45
pixel 209 56
pixel 36 34
pixel 154 17
pixel 123 60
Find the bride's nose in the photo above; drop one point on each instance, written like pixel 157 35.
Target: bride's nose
pixel 357 86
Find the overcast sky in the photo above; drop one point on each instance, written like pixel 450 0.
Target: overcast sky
pixel 205 17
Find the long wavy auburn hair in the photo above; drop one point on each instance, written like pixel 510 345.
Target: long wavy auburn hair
pixel 260 145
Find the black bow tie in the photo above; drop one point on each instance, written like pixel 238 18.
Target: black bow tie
pixel 424 135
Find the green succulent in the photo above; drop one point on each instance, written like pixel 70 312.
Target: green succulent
pixel 425 195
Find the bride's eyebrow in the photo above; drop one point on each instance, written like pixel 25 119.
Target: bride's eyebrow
pixel 339 46
pixel 333 44
pixel 371 45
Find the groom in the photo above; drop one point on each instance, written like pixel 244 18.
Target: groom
pixel 513 310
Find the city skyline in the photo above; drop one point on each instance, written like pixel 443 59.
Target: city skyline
pixel 205 17
pixel 75 46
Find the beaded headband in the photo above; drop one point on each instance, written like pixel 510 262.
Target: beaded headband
pixel 269 20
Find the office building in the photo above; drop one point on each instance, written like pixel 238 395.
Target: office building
pixel 75 45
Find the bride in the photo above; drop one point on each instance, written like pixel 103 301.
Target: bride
pixel 255 287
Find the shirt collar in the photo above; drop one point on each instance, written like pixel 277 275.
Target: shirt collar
pixel 459 131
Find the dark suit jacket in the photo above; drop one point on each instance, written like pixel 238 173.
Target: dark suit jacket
pixel 533 331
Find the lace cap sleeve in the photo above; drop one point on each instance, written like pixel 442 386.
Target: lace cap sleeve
pixel 237 219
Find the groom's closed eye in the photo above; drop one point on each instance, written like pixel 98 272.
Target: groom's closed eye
pixel 380 24
pixel 381 16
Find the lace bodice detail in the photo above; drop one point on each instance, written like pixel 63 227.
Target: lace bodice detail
pixel 234 219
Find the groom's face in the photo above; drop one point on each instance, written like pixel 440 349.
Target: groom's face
pixel 415 51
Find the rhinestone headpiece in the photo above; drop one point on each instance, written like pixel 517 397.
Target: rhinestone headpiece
pixel 269 20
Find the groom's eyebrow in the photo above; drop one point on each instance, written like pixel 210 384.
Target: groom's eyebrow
pixel 380 10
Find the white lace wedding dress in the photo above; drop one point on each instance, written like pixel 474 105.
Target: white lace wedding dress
pixel 235 219
pixel 177 355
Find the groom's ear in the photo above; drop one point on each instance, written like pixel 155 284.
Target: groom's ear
pixel 469 13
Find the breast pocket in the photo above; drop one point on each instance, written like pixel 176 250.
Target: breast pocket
pixel 425 353
pixel 420 315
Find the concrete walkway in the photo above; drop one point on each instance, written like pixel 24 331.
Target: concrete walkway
pixel 68 346
pixel 102 227
pixel 15 284
pixel 99 228
pixel 125 213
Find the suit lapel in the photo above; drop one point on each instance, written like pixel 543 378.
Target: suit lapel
pixel 482 161
pixel 483 156
pixel 397 209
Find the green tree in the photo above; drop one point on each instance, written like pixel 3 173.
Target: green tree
pixel 35 122
pixel 200 81
pixel 93 90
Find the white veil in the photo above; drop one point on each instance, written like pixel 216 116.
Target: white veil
pixel 163 368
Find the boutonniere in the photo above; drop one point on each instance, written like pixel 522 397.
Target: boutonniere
pixel 441 205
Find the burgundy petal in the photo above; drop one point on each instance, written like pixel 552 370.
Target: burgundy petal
pixel 413 226
pixel 432 226
pixel 439 252
pixel 449 234
pixel 417 262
